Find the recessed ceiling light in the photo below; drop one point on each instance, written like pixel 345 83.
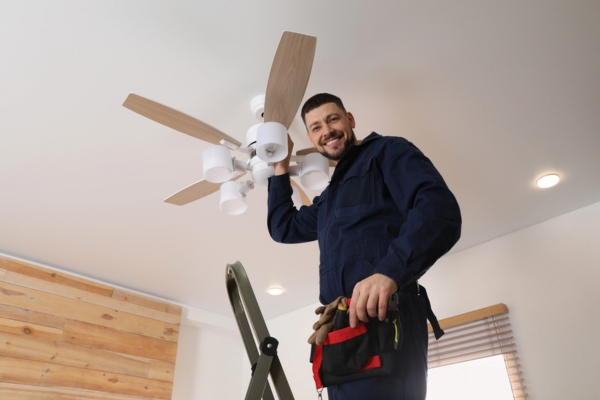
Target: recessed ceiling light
pixel 547 181
pixel 275 291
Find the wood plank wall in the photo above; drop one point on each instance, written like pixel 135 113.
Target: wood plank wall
pixel 67 338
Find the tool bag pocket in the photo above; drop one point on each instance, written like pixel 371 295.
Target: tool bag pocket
pixel 346 350
pixel 350 354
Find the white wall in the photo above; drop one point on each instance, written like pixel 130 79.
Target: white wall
pixel 212 361
pixel 209 357
pixel 292 331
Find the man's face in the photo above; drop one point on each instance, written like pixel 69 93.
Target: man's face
pixel 330 130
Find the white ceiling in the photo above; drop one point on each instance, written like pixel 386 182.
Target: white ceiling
pixel 496 93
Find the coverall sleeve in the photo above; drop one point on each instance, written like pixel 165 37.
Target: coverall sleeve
pixel 432 216
pixel 286 223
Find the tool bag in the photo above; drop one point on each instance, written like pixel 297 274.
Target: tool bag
pixel 349 354
pixel 367 351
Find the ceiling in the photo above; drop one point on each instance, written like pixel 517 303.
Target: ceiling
pixel 495 93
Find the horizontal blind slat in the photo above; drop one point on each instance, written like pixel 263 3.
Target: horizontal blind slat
pixel 475 339
pixel 493 344
pixel 471 325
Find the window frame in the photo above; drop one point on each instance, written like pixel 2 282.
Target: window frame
pixel 478 334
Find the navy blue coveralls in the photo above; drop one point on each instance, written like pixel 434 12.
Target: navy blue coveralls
pixel 386 210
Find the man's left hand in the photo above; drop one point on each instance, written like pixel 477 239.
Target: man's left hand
pixel 370 297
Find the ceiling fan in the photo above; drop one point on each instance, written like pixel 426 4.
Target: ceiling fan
pixel 266 142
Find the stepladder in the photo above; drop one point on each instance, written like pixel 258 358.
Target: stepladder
pixel 260 346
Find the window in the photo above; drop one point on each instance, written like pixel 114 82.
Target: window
pixel 477 352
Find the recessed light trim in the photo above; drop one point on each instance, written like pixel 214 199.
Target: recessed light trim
pixel 548 181
pixel 275 291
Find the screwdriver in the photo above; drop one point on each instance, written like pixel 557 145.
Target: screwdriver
pixel 341 318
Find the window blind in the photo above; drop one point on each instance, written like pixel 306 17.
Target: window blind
pixel 478 334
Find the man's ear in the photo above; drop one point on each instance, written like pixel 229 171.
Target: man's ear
pixel 351 119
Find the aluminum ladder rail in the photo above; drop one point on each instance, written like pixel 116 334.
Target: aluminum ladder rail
pixel 252 326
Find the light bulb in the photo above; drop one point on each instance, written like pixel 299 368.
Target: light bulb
pixel 275 291
pixel 547 181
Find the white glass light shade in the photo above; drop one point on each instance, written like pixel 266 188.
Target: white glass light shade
pixel 314 171
pixel 217 164
pixel 233 197
pixel 271 143
pixel 252 136
pixel 261 171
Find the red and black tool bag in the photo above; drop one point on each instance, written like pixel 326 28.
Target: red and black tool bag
pixel 349 354
pixel 367 351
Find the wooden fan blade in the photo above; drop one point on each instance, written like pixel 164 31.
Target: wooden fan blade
pixel 196 191
pixel 305 200
pixel 289 77
pixel 193 192
pixel 176 120
pixel 306 151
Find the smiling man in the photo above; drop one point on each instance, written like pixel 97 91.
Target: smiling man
pixel 385 218
pixel 330 130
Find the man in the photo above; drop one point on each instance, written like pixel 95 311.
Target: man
pixel 382 222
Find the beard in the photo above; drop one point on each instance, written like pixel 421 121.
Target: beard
pixel 335 155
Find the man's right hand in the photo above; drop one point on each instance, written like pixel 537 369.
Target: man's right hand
pixel 283 166
pixel 370 298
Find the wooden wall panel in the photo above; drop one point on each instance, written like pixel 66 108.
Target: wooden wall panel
pixel 104 338
pixel 53 276
pixel 161 370
pixel 147 302
pixel 30 299
pixel 66 338
pixel 67 354
pixel 89 379
pixel 15 370
pixel 20 314
pixel 121 304
pixel 28 329
pixel 12 391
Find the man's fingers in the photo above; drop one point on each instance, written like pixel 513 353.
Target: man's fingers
pixel 358 309
pixel 382 307
pixel 372 306
pixel 361 306
pixel 352 318
pixel 283 166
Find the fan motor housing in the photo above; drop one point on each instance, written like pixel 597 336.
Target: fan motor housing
pixel 257 105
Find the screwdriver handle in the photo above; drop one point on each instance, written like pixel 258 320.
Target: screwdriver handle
pixel 340 320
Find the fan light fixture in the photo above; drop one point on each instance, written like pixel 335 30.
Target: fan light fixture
pixel 218 166
pixel 233 197
pixel 266 143
pixel 548 181
pixel 313 171
pixel 271 143
pixel 261 171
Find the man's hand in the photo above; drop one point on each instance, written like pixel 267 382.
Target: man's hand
pixel 283 166
pixel 370 297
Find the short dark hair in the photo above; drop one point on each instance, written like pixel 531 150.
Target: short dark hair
pixel 318 100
